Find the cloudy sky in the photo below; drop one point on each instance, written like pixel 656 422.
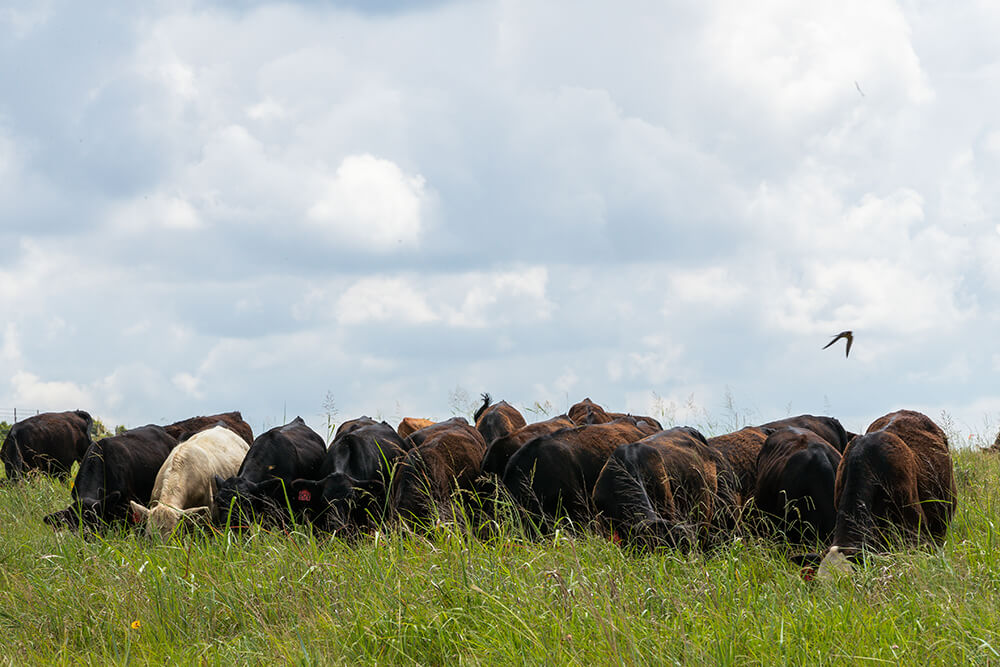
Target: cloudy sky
pixel 249 205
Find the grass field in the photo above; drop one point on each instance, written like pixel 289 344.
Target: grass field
pixel 401 598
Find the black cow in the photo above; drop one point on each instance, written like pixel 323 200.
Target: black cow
pixel 500 450
pixel 276 458
pixel 554 474
pixel 663 489
pixel 793 493
pixel 185 428
pixel 50 442
pixel 352 424
pixel 497 420
pixel 828 428
pixel 446 460
pixel 352 488
pixel 115 471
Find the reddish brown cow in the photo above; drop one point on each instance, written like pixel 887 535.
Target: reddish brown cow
pixel 412 424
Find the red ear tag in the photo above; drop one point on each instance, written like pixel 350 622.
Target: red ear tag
pixel 305 496
pixel 808 573
pixel 136 516
pixel 616 538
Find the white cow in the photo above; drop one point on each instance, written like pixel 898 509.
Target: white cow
pixel 184 485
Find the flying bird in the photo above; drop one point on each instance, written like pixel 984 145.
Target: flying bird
pixel 858 86
pixel 849 335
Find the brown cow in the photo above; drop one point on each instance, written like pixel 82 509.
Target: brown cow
pixel 497 420
pixel 426 477
pixel 828 428
pixel 588 412
pixel 412 424
pixel 896 479
pixel 417 438
pixel 740 449
pixel 661 490
pixel 185 428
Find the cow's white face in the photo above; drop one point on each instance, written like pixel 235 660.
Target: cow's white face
pixel 834 565
pixel 162 521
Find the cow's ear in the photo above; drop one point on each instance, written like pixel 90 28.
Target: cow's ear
pixel 139 512
pixel 112 498
pixel 217 481
pixel 198 514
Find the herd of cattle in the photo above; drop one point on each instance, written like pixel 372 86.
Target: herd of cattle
pixel 802 479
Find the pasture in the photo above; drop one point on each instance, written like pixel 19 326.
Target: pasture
pixel 449 598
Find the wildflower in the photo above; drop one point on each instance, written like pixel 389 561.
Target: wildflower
pixel 136 624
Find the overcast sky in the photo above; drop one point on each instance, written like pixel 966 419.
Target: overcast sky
pixel 247 205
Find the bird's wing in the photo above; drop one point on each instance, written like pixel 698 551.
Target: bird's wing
pixel 850 339
pixel 835 339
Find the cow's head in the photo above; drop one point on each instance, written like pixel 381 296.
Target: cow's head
pixel 162 520
pixel 328 502
pixel 239 501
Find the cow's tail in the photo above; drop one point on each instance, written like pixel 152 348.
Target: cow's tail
pixel 13 458
pixel 486 403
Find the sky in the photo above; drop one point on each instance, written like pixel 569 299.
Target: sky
pixel 669 207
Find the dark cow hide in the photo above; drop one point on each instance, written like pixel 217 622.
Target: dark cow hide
pixel 50 442
pixel 115 471
pixel 740 449
pixel 554 474
pixel 352 424
pixel 185 428
pixel 497 420
pixel 828 428
pixel 793 495
pixel 662 490
pixel 352 488
pixel 276 458
pixel 501 449
pixel 446 460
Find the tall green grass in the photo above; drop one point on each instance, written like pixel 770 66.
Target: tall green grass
pixel 445 597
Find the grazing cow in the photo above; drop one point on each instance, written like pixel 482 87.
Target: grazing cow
pixel 352 486
pixel 828 428
pixel 417 438
pixel 896 479
pixel 497 420
pixel 185 428
pixel 794 490
pixel 50 442
pixel 276 458
pixel 663 489
pixel 588 412
pixel 184 484
pixel 113 472
pixel 554 474
pixel 411 424
pixel 447 459
pixel 501 449
pixel 740 449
